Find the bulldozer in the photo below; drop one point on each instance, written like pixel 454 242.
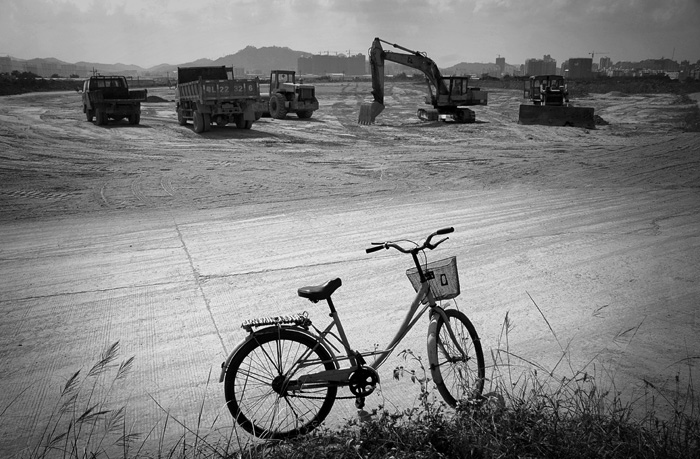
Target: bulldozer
pixel 448 97
pixel 549 97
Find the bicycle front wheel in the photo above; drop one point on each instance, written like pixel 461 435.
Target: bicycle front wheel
pixel 262 385
pixel 457 365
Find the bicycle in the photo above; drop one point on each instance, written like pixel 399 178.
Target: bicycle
pixel 283 378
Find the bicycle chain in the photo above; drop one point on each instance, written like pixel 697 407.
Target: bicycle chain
pixel 323 398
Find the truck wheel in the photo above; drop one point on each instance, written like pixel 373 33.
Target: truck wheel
pixel 181 120
pixel 304 114
pixel 101 116
pixel 277 108
pixel 198 122
pixel 207 122
pixel 89 114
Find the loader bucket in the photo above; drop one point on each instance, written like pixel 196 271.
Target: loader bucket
pixel 368 112
pixel 550 115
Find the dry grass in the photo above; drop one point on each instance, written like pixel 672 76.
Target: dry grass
pixel 528 411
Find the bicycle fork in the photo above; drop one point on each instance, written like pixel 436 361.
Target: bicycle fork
pixel 435 344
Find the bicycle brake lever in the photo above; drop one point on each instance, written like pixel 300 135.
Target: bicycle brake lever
pixel 431 246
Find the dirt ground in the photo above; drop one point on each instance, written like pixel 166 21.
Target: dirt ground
pixel 584 244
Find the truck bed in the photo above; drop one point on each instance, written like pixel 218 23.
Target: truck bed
pixel 218 90
pixel 121 96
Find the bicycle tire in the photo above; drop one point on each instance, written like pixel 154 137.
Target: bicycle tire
pixel 456 378
pixel 253 391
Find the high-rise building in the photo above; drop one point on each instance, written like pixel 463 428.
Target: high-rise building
pixel 545 66
pixel 580 68
pixel 5 65
pixel 501 64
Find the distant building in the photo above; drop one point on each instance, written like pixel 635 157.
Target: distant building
pixel 325 64
pixel 605 63
pixel 501 64
pixel 545 66
pixel 580 68
pixel 5 65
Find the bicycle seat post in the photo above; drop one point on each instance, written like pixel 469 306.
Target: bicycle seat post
pixel 352 355
pixel 331 306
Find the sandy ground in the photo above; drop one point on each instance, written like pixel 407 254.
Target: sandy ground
pixel 165 241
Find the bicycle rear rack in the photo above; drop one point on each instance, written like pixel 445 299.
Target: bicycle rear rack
pixel 301 319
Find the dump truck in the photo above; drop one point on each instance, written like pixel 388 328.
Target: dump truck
pixel 109 97
pixel 287 96
pixel 550 106
pixel 448 97
pixel 207 95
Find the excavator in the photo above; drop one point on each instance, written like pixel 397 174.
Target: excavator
pixel 449 96
pixel 549 96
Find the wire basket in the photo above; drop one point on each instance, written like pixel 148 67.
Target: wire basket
pixel 442 277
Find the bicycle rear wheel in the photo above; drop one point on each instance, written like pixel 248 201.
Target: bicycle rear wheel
pixel 262 389
pixel 457 376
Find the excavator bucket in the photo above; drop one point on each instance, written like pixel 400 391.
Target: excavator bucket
pixel 552 115
pixel 368 112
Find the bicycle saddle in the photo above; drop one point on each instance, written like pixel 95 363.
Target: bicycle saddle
pixel 320 292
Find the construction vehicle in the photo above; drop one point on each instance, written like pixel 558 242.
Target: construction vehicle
pixel 106 97
pixel 209 95
pixel 549 96
pixel 449 97
pixel 286 95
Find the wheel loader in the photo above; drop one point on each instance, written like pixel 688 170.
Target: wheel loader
pixel 549 98
pixel 288 96
pixel 448 96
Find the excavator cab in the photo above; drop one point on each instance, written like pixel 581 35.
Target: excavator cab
pixel 459 90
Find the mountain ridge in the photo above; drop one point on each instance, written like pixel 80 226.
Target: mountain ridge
pixel 261 60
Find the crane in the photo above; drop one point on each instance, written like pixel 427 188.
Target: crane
pixel 593 53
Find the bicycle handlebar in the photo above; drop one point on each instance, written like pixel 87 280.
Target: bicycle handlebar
pixel 427 244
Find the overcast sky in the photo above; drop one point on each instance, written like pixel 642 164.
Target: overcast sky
pixel 152 32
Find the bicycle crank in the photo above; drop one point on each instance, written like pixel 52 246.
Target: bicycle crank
pixel 363 381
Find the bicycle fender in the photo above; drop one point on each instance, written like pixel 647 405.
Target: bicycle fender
pixel 432 340
pixel 262 331
pixel 432 348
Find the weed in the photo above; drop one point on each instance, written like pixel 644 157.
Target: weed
pixel 528 411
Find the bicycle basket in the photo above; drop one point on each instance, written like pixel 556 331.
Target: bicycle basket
pixel 442 276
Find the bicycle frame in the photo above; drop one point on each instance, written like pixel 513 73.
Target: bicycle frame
pixel 355 358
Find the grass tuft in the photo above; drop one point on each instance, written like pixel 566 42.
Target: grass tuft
pixel 527 411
